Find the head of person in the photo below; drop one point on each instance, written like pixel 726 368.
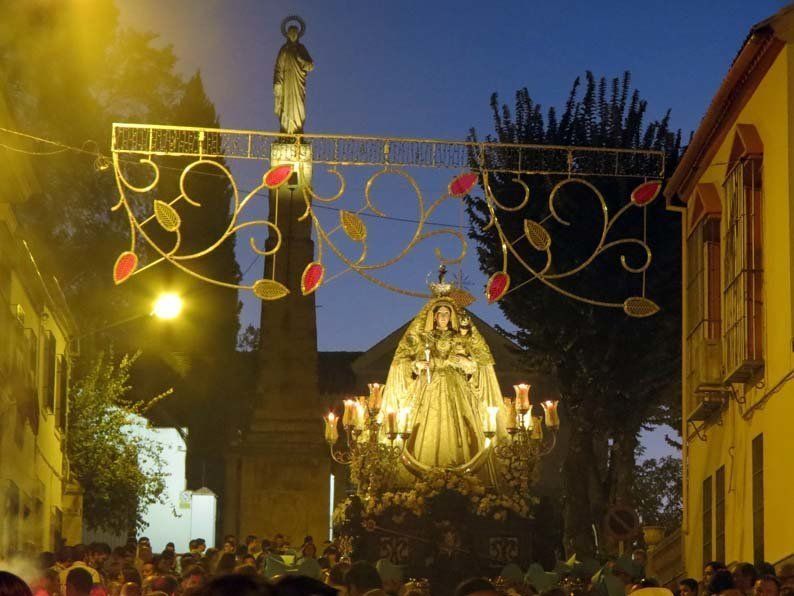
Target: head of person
pixel 98 553
pixel 721 581
pixel 65 556
pixel 170 547
pixel 767 585
pixel 148 570
pixel 442 314
pixel 144 541
pixel 11 585
pixel 166 584
pixel 336 576
pixel 297 585
pixel 130 575
pixel 688 587
pixel 226 564
pixel 241 551
pixel 786 575
pixel 229 547
pixel 744 577
pixel 79 582
pixel 332 554
pixel 202 544
pixel 292 33
pixel 130 589
pixel 709 569
pixel 236 585
pixel 309 550
pixel 361 578
pixel 476 586
pixel 250 539
pixel 80 553
pixel 278 540
pixel 193 577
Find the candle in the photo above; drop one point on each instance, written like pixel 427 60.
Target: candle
pixel 522 396
pixel 526 420
pixel 511 413
pixel 331 432
pixel 490 426
pixel 402 424
pixel 550 409
pixel 375 396
pixel 347 417
pixel 358 419
pixel 537 428
pixel 391 422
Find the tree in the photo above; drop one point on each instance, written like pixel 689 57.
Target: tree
pixel 105 75
pixel 657 492
pixel 615 374
pixel 104 451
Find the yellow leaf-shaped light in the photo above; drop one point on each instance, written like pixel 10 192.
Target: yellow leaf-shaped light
pixel 269 289
pixel 537 235
pixel 640 307
pixel 166 216
pixel 353 226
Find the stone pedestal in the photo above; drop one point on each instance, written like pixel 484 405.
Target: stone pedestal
pixel 277 480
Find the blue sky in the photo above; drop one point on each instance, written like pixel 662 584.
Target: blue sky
pixel 427 69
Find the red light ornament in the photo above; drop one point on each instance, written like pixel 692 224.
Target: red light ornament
pixel 126 264
pixel 312 277
pixel 462 184
pixel 498 284
pixel 645 193
pixel 277 176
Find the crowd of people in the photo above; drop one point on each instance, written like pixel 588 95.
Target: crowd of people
pixel 257 567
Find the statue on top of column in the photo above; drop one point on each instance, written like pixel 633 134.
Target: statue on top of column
pixel 289 77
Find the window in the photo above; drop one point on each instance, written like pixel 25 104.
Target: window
pixel 758 498
pixel 742 266
pixel 707 555
pixel 719 513
pixel 50 371
pixel 63 392
pixel 703 296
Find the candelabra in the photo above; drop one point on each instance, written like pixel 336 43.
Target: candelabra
pixel 528 443
pixel 361 423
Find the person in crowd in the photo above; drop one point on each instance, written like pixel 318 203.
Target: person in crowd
pixel 767 585
pixel 709 569
pixel 75 557
pixel 331 554
pixel 193 578
pixel 226 564
pixel 297 585
pixel 130 575
pixel 240 552
pixel 148 570
pixel 362 578
pixel 236 585
pixel 130 589
pixel 253 544
pixel 249 561
pixel 228 547
pixel 786 575
pixel 722 583
pixel 11 585
pixel 688 587
pixel 476 586
pixel 167 584
pixel 79 582
pixel 170 547
pixel 336 577
pixel 744 577
pixel 98 554
pixel 308 551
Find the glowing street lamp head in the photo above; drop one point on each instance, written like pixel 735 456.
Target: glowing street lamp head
pixel 167 306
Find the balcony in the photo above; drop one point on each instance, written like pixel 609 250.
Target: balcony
pixel 705 388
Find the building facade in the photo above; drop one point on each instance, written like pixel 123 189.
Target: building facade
pixel 39 506
pixel 734 189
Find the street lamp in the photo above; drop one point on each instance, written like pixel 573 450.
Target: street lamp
pixel 167 306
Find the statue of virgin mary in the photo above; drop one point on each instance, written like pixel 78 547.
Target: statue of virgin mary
pixel 443 372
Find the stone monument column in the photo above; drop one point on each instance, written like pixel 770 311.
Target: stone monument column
pixel 277 479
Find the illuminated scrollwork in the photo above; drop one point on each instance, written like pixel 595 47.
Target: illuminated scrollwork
pixel 142 202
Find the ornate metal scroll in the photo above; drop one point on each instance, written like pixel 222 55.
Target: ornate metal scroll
pixel 148 147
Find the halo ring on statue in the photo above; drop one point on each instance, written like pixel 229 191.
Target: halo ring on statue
pixel 293 18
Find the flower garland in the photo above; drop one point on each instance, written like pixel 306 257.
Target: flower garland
pixel 415 501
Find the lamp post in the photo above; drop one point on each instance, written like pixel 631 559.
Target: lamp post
pixel 167 306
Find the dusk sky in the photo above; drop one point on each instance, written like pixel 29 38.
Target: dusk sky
pixel 427 69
